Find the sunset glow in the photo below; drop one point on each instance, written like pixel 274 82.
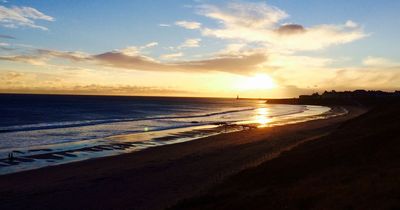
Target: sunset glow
pixel 262 117
pixel 196 48
pixel 257 82
pixel 199 104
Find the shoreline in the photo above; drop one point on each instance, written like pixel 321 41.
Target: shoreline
pixel 40 156
pixel 356 166
pixel 160 176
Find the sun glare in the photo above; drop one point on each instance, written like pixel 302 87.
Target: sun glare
pixel 262 117
pixel 258 81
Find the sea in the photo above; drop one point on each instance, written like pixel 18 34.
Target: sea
pixel 46 130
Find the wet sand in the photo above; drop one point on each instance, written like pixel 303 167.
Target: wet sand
pixel 157 177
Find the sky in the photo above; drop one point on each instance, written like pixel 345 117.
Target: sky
pixel 260 49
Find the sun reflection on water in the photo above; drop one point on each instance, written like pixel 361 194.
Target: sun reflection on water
pixel 262 117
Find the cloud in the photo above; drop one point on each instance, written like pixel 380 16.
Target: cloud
pixel 188 24
pixel 2 36
pixel 41 57
pixel 171 56
pixel 238 64
pixel 379 62
pixel 51 82
pixel 261 23
pixel 126 90
pixel 164 25
pixel 302 72
pixel 120 59
pixel 151 44
pixel 251 15
pixel 39 82
pixel 287 70
pixel 351 24
pixel 189 43
pixel 6 46
pixel 9 76
pixel 134 50
pixel 298 61
pixel 33 60
pixel 318 74
pixel 13 79
pixel 385 78
pixel 133 59
pixel 291 29
pixel 15 17
pixel 74 56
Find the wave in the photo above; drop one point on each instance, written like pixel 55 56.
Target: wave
pixel 69 124
pixel 189 123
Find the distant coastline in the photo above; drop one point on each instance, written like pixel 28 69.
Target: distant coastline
pixel 355 98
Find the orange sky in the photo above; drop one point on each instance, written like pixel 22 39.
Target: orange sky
pixel 251 49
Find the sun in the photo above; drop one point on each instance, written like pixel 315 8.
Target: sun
pixel 257 82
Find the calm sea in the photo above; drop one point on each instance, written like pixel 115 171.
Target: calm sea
pixel 42 130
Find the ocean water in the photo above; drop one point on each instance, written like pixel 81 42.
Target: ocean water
pixel 43 130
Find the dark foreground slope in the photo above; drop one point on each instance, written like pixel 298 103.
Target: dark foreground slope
pixel 356 167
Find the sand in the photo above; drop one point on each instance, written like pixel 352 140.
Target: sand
pixel 158 177
pixel 357 166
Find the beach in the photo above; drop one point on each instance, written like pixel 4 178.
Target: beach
pixel 199 105
pixel 354 167
pixel 159 177
pixel 66 129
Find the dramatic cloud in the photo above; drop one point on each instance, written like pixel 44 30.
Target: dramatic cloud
pixel 133 59
pixel 261 23
pixel 314 73
pixel 188 24
pixel 15 17
pixel 239 64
